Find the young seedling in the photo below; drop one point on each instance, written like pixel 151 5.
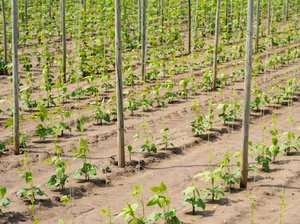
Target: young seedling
pixel 260 98
pixel 199 124
pixel 62 125
pixel 274 149
pixel 82 152
pixel 228 174
pixel 252 207
pixel 131 103
pixel 100 114
pixel 59 178
pixel 106 212
pixel 3 201
pixel 163 201
pixel 226 115
pixel 32 190
pixel 42 130
pixel 290 142
pixel 80 123
pixel 211 176
pixel 2 147
pixel 165 136
pixel 130 210
pixel 148 144
pixel 194 197
pixel 210 116
pixel 282 204
pixel 184 90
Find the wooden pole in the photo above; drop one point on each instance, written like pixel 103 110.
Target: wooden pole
pixel 162 39
pixel 144 47
pixel 15 75
pixel 63 38
pixel 226 12
pixel 139 16
pixel 217 30
pixel 189 26
pixel 26 13
pixel 4 32
pixel 287 10
pixel 120 121
pixel 247 95
pixel 257 26
pixel 269 17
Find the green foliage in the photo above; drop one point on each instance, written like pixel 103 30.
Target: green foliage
pixel 162 200
pixel 59 178
pixel 229 113
pixel 260 98
pixel 229 173
pixel 106 212
pixel 80 123
pixel 82 152
pixel 290 142
pixel 131 103
pixel 194 197
pixel 43 131
pixel 212 176
pixel 165 137
pixel 2 147
pixel 100 114
pixel 3 201
pixel 148 144
pixel 263 155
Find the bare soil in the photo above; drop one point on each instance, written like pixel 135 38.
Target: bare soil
pixel 176 165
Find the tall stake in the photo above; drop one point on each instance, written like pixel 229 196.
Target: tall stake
pixel 63 38
pixel 120 121
pixel 269 17
pixel 162 39
pixel 26 13
pixel 189 26
pixel 139 16
pixel 4 32
pixel 217 29
pixel 247 95
pixel 144 28
pixel 257 26
pixel 15 74
pixel 287 10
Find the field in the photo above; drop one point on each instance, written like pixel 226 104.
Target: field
pixel 182 127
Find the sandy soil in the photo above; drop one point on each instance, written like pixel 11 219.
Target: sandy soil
pixel 175 166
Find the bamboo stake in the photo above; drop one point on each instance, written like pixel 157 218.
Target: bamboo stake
pixel 63 38
pixel 15 75
pixel 189 26
pixel 4 32
pixel 26 13
pixel 162 39
pixel 257 26
pixel 144 28
pixel 269 17
pixel 217 30
pixel 120 121
pixel 287 10
pixel 139 16
pixel 247 95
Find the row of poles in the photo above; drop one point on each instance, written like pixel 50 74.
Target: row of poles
pixel 118 68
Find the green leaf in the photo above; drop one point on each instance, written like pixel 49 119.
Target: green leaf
pixel 5 202
pixel 153 200
pixel 163 187
pixel 2 191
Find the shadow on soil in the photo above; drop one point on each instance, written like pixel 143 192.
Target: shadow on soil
pixel 205 213
pixel 14 217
